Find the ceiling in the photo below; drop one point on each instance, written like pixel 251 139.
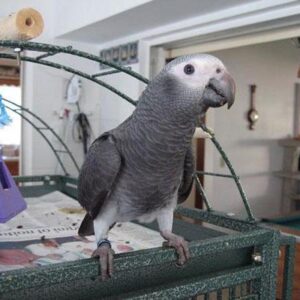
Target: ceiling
pixel 148 16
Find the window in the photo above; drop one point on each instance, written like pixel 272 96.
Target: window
pixel 11 134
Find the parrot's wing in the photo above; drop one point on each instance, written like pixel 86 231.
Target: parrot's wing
pixel 187 176
pixel 97 176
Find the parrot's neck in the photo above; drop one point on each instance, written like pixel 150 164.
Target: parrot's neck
pixel 163 125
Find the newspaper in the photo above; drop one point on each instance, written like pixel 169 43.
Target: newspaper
pixel 46 233
pixel 52 215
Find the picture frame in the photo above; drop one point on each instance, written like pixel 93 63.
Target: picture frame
pixel 123 54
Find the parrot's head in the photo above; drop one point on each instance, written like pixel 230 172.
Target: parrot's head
pixel 199 81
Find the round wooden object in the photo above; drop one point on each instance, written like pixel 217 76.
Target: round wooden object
pixel 25 24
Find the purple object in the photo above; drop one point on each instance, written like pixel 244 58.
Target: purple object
pixel 11 200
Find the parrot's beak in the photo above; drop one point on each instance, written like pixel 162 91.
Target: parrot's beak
pixel 219 91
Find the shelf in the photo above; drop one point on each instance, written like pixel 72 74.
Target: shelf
pixel 295 197
pixel 289 142
pixel 288 175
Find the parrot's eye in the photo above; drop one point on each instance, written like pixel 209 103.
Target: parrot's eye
pixel 189 69
pixel 218 70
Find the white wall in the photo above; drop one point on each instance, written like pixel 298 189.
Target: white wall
pixel 44 93
pixel 114 109
pixel 255 154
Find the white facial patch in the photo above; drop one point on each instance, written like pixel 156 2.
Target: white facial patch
pixel 204 70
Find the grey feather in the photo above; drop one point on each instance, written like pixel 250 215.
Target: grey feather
pixel 187 177
pixel 147 161
pixel 86 228
pixel 97 176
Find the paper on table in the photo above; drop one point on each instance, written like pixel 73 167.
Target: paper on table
pixel 51 215
pixel 49 234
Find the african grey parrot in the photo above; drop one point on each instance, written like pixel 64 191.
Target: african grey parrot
pixel 143 168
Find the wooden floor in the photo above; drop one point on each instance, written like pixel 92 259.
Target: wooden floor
pixel 296 283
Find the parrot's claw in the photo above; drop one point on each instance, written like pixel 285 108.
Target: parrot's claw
pixel 105 254
pixel 181 247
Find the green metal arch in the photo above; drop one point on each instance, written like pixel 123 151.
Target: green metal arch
pixel 66 149
pixel 53 50
pixel 70 70
pixel 43 135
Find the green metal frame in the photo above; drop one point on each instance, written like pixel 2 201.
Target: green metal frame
pixel 245 256
pixel 219 261
pixel 52 50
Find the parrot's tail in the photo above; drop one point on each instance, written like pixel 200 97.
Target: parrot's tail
pixel 87 226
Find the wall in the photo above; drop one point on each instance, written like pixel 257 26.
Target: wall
pixel 255 154
pixel 44 93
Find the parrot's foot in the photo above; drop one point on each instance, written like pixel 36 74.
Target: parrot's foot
pixel 180 245
pixel 105 254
